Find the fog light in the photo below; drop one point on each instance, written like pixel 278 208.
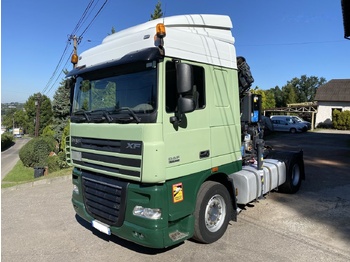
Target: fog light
pixel 150 213
pixel 138 235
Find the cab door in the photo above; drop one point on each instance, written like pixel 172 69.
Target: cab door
pixel 186 136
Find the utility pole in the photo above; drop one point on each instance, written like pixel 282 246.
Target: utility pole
pixel 37 118
pixel 76 41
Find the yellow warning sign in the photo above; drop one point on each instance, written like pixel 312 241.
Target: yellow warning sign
pixel 178 194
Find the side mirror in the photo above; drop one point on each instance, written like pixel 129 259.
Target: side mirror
pixel 70 82
pixel 185 83
pixel 185 87
pixel 186 105
pixel 184 78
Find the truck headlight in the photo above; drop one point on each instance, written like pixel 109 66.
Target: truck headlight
pixel 75 189
pixel 146 212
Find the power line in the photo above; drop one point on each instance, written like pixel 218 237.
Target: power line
pixel 98 12
pixel 82 17
pixel 79 24
pixel 57 78
pixel 58 65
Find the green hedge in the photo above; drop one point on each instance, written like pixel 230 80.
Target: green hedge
pixel 341 120
pixel 53 164
pixel 6 141
pixel 35 152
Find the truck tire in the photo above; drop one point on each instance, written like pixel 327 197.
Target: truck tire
pixel 293 176
pixel 212 213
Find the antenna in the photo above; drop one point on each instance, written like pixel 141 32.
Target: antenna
pixel 164 13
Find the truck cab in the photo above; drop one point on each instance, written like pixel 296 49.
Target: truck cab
pixel 156 133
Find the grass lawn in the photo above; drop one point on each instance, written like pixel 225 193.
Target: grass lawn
pixel 21 174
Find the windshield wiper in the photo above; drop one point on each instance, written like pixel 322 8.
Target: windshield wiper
pixel 132 113
pixel 105 114
pixel 83 112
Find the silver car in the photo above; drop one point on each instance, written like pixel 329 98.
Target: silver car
pixel 300 120
pixel 287 124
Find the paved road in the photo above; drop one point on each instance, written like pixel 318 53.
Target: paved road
pixel 10 157
pixel 39 223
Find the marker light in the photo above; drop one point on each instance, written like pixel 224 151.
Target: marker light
pixel 160 29
pixel 214 169
pixel 74 59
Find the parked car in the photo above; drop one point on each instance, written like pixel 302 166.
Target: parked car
pixel 287 124
pixel 300 120
pixel 266 125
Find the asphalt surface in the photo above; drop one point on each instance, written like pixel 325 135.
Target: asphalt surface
pixel 10 157
pixel 39 223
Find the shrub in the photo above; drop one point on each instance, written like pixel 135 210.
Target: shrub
pixel 6 141
pixel 62 160
pixel 341 120
pixel 65 133
pixel 53 163
pixel 35 153
pixel 52 143
pixel 325 125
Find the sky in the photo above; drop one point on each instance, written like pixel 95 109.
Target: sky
pixel 280 39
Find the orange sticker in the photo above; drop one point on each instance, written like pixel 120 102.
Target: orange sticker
pixel 178 194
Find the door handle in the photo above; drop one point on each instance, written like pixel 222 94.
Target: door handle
pixel 204 154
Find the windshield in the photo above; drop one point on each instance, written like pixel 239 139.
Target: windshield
pixel 117 94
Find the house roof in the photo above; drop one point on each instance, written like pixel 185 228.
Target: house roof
pixel 336 90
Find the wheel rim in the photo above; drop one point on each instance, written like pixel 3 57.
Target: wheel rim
pixel 295 175
pixel 215 213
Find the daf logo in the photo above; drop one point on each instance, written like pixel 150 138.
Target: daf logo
pixel 133 145
pixel 76 140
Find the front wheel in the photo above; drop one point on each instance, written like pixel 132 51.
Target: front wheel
pixel 212 214
pixel 293 130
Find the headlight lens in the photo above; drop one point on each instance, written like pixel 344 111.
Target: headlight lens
pixel 150 213
pixel 75 189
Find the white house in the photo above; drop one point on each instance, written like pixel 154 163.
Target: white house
pixel 333 95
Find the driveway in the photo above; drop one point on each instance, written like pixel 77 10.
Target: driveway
pixel 10 156
pixel 39 223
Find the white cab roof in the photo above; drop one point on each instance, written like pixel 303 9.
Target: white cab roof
pixel 202 38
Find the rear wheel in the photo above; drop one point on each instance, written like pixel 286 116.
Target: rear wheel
pixel 293 177
pixel 212 214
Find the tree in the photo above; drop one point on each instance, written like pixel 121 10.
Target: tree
pixel 278 95
pixel 112 31
pixel 45 112
pixel 158 13
pixel 270 101
pixel 65 134
pixel 297 90
pixel 289 95
pixel 267 98
pixel 61 109
pixel 306 87
pixel 48 132
pixel 8 119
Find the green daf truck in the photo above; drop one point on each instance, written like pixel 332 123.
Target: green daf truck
pixel 165 137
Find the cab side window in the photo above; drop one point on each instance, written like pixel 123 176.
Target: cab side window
pixel 171 94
